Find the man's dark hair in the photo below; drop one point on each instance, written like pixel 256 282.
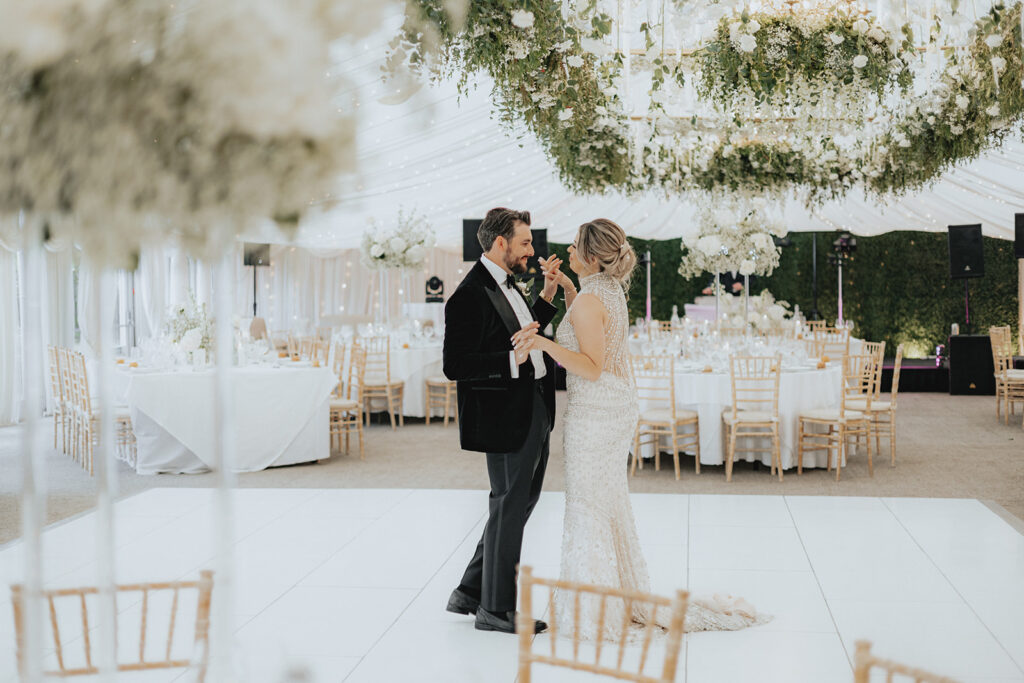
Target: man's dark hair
pixel 499 222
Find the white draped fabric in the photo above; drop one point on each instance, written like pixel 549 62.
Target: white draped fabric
pixel 10 339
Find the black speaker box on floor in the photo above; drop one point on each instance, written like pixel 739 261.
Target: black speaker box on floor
pixel 966 255
pixel 1018 233
pixel 970 365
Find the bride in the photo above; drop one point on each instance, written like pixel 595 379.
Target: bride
pixel 599 542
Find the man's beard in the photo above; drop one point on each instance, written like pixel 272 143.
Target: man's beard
pixel 516 266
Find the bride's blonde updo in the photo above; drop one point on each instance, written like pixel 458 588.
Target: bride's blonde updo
pixel 603 242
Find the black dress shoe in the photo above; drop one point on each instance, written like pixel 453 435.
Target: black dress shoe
pixel 504 622
pixel 461 603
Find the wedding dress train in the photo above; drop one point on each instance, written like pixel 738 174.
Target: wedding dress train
pixel 599 541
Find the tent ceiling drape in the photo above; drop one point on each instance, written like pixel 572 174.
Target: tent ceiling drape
pixel 445 156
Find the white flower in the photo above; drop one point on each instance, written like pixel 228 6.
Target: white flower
pixel 753 26
pixel 415 254
pixel 522 18
pixel 994 40
pixel 376 251
pixel 761 241
pixel 955 129
pixel 860 61
pixel 904 142
pixel 191 340
pixel 747 267
pixel 747 43
pixel 993 110
pixel 963 101
pixel 397 245
pixel 575 61
pixel 709 245
pixel 836 38
pixel 776 312
pixel 876 34
pixel 998 63
pixel 565 114
pixel 861 26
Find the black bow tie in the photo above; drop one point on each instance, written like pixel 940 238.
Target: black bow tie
pixel 510 281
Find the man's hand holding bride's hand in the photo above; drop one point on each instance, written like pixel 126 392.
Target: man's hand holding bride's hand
pixel 525 340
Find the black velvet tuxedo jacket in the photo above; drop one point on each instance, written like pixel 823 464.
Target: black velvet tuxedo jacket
pixel 494 409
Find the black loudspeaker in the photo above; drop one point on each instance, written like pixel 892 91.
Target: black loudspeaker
pixel 1018 233
pixel 970 365
pixel 966 254
pixel 256 254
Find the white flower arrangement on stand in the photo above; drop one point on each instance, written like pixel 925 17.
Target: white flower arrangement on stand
pixel 731 235
pixel 190 329
pixel 404 248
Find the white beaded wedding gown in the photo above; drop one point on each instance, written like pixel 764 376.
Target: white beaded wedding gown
pixel 599 541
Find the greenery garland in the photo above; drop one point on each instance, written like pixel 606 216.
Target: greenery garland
pixel 549 75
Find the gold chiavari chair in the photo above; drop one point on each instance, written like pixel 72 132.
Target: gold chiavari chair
pixel 815 325
pixel 67 388
pixel 57 391
pixel 379 385
pixel 441 393
pixel 293 347
pixel 867 667
pixel 306 348
pixel 876 350
pixel 66 646
pixel 324 332
pixel 1009 381
pixel 346 409
pixel 883 413
pixel 656 386
pixel 88 419
pixel 754 412
pixel 858 376
pixel 831 342
pixel 674 609
pixel 320 352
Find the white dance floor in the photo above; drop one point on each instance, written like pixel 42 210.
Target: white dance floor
pixel 352 584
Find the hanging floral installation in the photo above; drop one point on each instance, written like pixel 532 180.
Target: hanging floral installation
pixel 866 104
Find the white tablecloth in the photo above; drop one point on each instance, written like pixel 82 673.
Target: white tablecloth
pixel 710 393
pixel 280 417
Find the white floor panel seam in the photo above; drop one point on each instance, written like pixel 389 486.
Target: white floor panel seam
pixel 398 617
pixel 817 581
pixel 956 590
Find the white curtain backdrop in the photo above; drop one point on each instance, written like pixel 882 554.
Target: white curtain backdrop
pixel 10 338
pixel 152 292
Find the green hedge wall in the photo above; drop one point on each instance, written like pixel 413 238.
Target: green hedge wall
pixel 896 287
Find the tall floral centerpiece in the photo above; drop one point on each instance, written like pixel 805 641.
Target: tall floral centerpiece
pixel 403 248
pixel 190 329
pixel 731 234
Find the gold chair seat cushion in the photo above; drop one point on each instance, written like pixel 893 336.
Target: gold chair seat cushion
pixel 343 404
pixel 832 415
pixel 664 415
pixel 748 416
pixel 439 379
pixel 876 406
pixel 1015 375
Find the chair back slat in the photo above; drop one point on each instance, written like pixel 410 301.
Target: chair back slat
pixel 877 350
pixel 858 379
pixel 895 390
pixel 633 601
pixel 655 380
pixel 864 663
pixel 203 587
pixel 755 383
pixel 378 359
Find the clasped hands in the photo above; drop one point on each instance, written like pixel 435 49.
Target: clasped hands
pixel 527 339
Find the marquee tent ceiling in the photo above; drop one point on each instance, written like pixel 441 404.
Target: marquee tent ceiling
pixel 445 157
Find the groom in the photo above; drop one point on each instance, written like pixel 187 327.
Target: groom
pixel 506 407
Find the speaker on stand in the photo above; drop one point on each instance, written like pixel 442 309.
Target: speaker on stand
pixel 966 261
pixel 255 255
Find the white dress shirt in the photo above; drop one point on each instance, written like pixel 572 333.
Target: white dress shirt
pixel 523 314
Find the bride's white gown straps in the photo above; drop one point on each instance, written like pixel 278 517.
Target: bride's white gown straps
pixel 599 542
